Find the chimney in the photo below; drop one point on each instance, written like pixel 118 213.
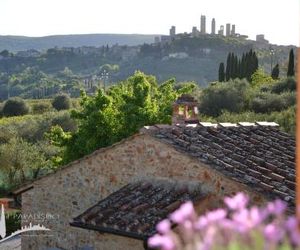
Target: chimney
pixel 185 110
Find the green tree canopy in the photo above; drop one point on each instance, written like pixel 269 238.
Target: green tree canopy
pixel 260 77
pixel 20 161
pixel 108 117
pixel 14 107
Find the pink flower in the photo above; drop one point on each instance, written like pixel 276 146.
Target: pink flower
pixel 276 207
pixel 164 226
pixel 177 217
pixel 291 223
pixel 161 241
pixel 273 233
pixel 247 219
pixel 155 241
pixel 201 223
pixel 186 211
pixel 292 227
pixel 239 201
pixel 216 215
pixel 168 243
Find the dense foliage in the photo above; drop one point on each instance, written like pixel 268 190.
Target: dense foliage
pixel 240 67
pixel 25 152
pixel 235 227
pixel 108 117
pixel 230 96
pixel 15 107
pixel 61 102
pixel 263 95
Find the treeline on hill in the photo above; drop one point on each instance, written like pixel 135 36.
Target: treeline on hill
pixel 238 67
pixel 36 75
pixel 247 65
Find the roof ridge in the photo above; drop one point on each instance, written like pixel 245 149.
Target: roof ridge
pixel 210 124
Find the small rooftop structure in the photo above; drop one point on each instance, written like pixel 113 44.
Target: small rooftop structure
pixel 185 110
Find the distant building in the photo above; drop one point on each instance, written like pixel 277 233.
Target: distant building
pixel 195 32
pixel 213 26
pixel 172 31
pixel 203 24
pixel 261 39
pixel 233 30
pixel 165 39
pixel 221 30
pixel 228 29
pixel 156 39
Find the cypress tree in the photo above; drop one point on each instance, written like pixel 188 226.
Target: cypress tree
pixel 291 66
pixel 239 68
pixel 236 70
pixel 231 75
pixel 227 74
pixel 221 73
pixel 275 72
pixel 255 62
pixel 243 67
pixel 248 65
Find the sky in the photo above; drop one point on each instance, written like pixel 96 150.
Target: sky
pixel 278 20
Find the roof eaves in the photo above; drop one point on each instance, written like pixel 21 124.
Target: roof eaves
pixel 110 230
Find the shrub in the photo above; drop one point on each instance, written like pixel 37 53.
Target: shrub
pixel 268 102
pixel 61 102
pixel 65 121
pixel 259 77
pixel 41 107
pixel 15 107
pixel 237 227
pixel 288 84
pixel 285 118
pixel 230 96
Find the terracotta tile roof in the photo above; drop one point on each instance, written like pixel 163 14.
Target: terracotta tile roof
pixel 135 209
pixel 259 155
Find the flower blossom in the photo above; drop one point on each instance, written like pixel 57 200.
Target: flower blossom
pixel 238 202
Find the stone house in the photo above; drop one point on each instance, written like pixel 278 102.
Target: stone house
pixel 113 198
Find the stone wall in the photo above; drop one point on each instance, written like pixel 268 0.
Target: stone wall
pixel 70 191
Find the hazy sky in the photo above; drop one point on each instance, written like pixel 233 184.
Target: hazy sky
pixel 277 19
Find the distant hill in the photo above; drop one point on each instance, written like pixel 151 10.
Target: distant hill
pixel 31 74
pixel 18 43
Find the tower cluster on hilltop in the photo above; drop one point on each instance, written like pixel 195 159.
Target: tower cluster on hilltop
pixel 229 30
